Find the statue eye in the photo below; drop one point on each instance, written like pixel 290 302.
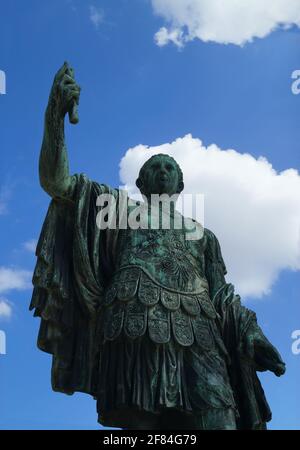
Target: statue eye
pixel 169 167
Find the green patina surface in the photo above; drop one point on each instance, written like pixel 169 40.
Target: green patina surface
pixel 141 319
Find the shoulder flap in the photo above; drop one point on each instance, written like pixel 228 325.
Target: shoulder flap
pixel 127 284
pixel 202 332
pixel 170 300
pixel 182 328
pixel 113 321
pixel 206 305
pixel 149 292
pixel 110 295
pixel 135 319
pixel 190 305
pixel 159 324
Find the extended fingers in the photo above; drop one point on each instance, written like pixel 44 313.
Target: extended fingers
pixel 64 73
pixel 67 79
pixel 61 72
pixel 70 71
pixel 73 96
pixel 65 89
pixel 68 84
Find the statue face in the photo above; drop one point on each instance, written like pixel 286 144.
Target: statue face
pixel 161 176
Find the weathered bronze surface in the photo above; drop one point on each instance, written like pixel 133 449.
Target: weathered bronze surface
pixel 141 319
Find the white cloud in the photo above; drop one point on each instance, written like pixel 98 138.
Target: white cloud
pixel 5 309
pixel 11 279
pixel 30 245
pixel 224 22
pixel 253 210
pixel 164 36
pixel 96 16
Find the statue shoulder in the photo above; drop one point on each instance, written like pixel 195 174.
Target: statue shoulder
pixel 81 181
pixel 213 249
pixel 210 238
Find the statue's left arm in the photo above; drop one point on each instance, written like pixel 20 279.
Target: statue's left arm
pixel 236 319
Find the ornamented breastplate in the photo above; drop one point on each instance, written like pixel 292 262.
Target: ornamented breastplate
pixel 166 255
pixel 135 304
pixel 159 288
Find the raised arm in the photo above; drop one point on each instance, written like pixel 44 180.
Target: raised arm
pixel 54 173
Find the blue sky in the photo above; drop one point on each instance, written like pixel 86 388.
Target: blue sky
pixel 133 92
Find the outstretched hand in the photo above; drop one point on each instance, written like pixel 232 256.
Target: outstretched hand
pixel 65 93
pixel 258 349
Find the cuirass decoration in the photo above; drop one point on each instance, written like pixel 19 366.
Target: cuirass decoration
pixel 135 302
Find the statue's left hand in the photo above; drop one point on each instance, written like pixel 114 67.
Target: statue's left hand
pixel 257 348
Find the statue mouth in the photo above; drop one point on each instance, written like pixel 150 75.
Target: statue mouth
pixel 164 179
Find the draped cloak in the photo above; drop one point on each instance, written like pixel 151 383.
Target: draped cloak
pixel 75 260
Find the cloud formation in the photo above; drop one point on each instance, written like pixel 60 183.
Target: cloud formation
pixel 223 22
pixel 5 309
pixel 11 279
pixel 96 16
pixel 30 245
pixel 253 210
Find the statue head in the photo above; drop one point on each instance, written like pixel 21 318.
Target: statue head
pixel 160 174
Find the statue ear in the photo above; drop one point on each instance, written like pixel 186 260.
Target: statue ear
pixel 180 187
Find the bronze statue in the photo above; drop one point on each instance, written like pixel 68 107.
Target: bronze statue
pixel 141 319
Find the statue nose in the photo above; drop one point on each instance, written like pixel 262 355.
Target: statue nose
pixel 163 175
